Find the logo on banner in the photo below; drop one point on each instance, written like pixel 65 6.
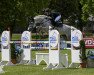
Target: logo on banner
pixel 53 38
pixel 89 42
pixel 4 39
pixel 25 38
pixel 76 36
pixel 75 39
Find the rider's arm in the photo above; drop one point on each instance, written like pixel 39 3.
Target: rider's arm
pixel 57 18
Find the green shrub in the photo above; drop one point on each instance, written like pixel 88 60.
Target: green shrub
pixel 82 50
pixel 13 53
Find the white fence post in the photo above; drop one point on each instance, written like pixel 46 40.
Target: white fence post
pixel 5 48
pixel 76 36
pixel 26 46
pixel 55 61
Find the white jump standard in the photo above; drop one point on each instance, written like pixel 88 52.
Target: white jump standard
pixel 26 46
pixel 5 48
pixel 54 50
pixel 76 36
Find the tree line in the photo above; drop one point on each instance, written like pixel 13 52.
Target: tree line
pixel 15 13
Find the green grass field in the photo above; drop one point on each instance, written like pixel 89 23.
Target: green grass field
pixel 38 69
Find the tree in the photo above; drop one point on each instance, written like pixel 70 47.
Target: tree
pixel 87 9
pixel 75 11
pixel 9 14
pixel 14 13
pixel 67 8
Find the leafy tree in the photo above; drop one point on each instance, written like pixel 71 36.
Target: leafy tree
pixel 87 9
pixel 75 11
pixel 14 13
pixel 67 8
pixel 9 14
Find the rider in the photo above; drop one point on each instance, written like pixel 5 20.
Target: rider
pixel 55 17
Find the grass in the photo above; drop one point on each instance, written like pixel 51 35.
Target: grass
pixel 38 69
pixel 34 37
pixel 16 36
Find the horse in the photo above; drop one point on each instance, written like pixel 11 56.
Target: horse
pixel 42 23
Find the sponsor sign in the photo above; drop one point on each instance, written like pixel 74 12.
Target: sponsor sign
pixel 25 38
pixel 53 38
pixel 89 42
pixel 76 37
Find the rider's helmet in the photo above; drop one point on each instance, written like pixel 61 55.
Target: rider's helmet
pixel 47 11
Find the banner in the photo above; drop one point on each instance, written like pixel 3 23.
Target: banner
pixel 89 42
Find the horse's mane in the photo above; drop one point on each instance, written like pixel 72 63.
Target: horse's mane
pixel 40 18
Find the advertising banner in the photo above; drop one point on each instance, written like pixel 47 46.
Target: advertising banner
pixel 89 42
pixel 53 40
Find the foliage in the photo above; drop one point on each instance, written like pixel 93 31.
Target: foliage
pixel 13 53
pixel 15 13
pixel 87 9
pixel 70 10
pixel 66 8
pixel 88 34
pixel 90 53
pixel 18 51
pixel 10 15
pixel 82 50
pixel 76 12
